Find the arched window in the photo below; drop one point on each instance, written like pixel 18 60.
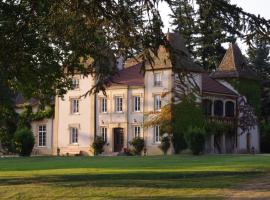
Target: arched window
pixel 207 107
pixel 229 109
pixel 218 108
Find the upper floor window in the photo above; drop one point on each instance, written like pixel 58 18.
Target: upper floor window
pixel 74 106
pixel 103 105
pixel 218 108
pixel 229 109
pixel 156 134
pixel 104 133
pixel 137 131
pixel 75 83
pixel 42 135
pixel 119 104
pixel 157 79
pixel 73 135
pixel 157 102
pixel 137 104
pixel 207 107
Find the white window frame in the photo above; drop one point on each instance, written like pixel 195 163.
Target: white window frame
pixel 42 135
pixel 157 79
pixel 157 138
pixel 104 103
pixel 137 131
pixel 74 135
pixel 104 133
pixel 118 104
pixel 75 83
pixel 75 106
pixel 137 103
pixel 157 102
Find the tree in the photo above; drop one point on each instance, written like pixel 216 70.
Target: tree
pixel 214 23
pixel 24 141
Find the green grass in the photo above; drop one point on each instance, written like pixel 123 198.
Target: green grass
pixel 156 177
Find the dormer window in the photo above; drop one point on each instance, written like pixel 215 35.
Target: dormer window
pixel 157 79
pixel 75 83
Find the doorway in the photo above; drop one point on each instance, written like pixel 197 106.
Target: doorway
pixel 118 139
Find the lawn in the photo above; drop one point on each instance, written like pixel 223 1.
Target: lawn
pixel 156 177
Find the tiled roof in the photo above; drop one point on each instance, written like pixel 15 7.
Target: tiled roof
pixel 210 85
pixel 130 76
pixel 234 65
pixel 20 101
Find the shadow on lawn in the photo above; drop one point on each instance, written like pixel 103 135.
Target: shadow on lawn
pixel 143 179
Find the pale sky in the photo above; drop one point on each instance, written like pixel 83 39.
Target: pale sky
pixel 261 7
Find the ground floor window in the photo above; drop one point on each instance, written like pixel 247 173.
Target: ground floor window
pixel 42 135
pixel 137 131
pixel 104 133
pixel 73 135
pixel 157 134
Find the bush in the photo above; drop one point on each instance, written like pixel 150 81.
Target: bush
pixel 98 145
pixel 265 138
pixel 138 144
pixel 195 139
pixel 24 141
pixel 165 144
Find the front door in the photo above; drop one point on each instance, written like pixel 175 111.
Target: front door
pixel 118 139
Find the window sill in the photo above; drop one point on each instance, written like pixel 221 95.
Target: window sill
pixel 103 113
pixel 74 114
pixel 74 144
pixel 41 147
pixel 119 112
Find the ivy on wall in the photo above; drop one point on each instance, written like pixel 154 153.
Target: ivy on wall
pixel 251 89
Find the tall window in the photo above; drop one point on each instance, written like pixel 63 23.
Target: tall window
pixel 42 136
pixel 104 133
pixel 73 135
pixel 74 106
pixel 137 131
pixel 207 107
pixel 75 83
pixel 156 134
pixel 157 79
pixel 229 109
pixel 104 105
pixel 137 104
pixel 218 108
pixel 118 104
pixel 157 102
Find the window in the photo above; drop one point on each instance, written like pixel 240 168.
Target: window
pixel 42 136
pixel 229 109
pixel 157 102
pixel 137 104
pixel 207 107
pixel 137 131
pixel 75 83
pixel 103 105
pixel 104 133
pixel 73 135
pixel 156 134
pixel 74 106
pixel 118 104
pixel 157 79
pixel 218 108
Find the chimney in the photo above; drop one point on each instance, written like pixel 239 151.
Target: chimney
pixel 120 63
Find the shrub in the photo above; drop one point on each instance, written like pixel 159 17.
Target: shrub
pixel 98 145
pixel 138 144
pixel 165 144
pixel 195 139
pixel 24 141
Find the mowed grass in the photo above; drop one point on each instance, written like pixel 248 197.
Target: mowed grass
pixel 153 177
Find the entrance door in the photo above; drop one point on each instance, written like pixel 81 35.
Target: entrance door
pixel 118 139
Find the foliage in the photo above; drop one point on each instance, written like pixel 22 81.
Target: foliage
pixel 165 144
pixel 195 139
pixel 218 128
pixel 228 22
pixel 24 141
pixel 185 114
pixel 265 138
pixel 138 144
pixel 98 145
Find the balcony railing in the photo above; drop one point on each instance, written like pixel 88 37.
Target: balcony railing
pixel 227 120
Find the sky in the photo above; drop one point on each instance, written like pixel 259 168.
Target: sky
pixel 261 7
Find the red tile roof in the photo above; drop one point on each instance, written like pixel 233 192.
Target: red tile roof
pixel 131 76
pixel 210 85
